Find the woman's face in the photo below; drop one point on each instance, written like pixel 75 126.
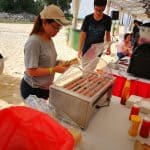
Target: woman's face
pixel 51 29
pixel 128 38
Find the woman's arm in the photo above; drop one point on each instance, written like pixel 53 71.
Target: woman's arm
pixel 127 50
pixel 37 72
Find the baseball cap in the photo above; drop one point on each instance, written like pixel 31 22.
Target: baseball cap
pixel 54 12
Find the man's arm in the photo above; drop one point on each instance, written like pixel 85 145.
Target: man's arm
pixel 81 42
pixel 108 39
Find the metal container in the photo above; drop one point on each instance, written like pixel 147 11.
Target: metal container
pixel 81 106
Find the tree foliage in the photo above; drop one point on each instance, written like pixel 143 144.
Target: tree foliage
pixel 64 4
pixel 6 5
pixel 31 6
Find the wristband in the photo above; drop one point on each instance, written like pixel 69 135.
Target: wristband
pixel 50 70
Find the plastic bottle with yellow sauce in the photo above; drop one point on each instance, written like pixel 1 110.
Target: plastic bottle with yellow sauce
pixel 135 122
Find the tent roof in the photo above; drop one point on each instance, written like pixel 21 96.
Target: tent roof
pixel 137 8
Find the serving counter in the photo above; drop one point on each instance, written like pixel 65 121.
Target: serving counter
pixel 126 84
pixel 108 129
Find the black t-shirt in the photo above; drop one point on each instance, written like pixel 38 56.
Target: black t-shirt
pixel 140 61
pixel 95 30
pixel 135 32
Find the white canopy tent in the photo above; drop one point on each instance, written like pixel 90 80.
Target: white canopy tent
pixel 75 9
pixel 135 8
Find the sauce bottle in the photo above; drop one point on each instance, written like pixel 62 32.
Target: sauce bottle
pixel 135 122
pixel 145 128
pixel 135 109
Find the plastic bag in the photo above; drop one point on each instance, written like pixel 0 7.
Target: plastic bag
pixel 24 128
pixel 44 106
pixel 39 104
pixel 73 72
pixel 93 52
pixel 72 127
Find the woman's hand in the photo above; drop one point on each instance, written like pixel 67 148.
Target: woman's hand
pixel 59 69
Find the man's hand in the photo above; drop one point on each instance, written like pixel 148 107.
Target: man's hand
pixel 80 54
pixel 108 52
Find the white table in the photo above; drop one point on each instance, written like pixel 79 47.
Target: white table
pixel 108 129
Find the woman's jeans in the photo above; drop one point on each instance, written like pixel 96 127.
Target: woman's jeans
pixel 27 90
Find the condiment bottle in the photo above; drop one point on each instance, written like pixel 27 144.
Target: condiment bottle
pixel 135 109
pixel 135 122
pixel 145 128
pixel 125 92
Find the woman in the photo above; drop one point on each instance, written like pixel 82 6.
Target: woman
pixel 124 48
pixel 40 54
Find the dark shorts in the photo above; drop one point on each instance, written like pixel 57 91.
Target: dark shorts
pixel 27 90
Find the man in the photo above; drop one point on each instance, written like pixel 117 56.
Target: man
pixel 94 28
pixel 144 34
pixel 140 59
pixel 135 32
pixel 144 38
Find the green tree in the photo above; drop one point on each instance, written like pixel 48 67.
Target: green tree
pixel 6 5
pixel 17 6
pixel 64 4
pixel 39 5
pixel 47 2
pixel 32 6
